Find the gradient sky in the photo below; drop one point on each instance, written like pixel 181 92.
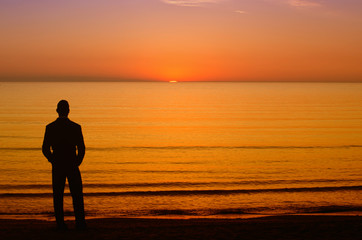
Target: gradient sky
pixel 195 40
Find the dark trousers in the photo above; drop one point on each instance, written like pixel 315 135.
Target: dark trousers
pixel 76 189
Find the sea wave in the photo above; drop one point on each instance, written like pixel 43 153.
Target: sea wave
pixel 185 184
pixel 188 147
pixel 258 210
pixel 203 212
pixel 193 192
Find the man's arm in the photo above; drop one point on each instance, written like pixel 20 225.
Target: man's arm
pixel 80 147
pixel 46 146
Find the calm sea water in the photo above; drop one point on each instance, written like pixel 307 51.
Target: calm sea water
pixel 189 149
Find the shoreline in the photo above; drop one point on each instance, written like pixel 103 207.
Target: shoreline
pixel 50 218
pixel 269 227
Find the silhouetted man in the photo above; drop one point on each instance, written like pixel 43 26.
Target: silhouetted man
pixel 64 148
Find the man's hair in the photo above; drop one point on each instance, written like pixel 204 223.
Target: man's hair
pixel 63 108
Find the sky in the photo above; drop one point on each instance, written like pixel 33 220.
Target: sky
pixel 181 40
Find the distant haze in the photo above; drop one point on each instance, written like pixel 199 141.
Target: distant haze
pixel 189 40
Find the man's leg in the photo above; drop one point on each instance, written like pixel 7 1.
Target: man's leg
pixel 76 189
pixel 58 192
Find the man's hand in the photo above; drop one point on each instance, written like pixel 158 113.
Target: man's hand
pixel 51 158
pixel 78 161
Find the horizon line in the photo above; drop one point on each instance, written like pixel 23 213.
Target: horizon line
pixel 164 81
pixel 84 78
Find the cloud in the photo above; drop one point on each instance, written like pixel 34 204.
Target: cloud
pixel 304 3
pixel 189 3
pixel 240 11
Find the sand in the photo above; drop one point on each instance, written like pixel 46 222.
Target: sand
pixel 276 227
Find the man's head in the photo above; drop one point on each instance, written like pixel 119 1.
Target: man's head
pixel 63 108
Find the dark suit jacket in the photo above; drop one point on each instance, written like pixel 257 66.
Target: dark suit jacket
pixel 62 139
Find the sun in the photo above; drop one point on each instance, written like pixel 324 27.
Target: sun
pixel 173 81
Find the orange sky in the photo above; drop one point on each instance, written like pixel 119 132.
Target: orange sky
pixel 196 40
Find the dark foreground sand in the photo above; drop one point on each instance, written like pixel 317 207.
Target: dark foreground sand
pixel 279 227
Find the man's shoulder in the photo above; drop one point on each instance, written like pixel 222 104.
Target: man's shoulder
pixel 74 123
pixel 52 124
pixel 59 122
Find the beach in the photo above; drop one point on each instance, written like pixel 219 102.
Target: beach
pixel 276 227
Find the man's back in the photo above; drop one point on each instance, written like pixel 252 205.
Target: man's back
pixel 64 137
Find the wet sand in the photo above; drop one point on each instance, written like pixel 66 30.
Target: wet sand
pixel 276 227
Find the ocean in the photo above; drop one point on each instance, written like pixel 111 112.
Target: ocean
pixel 188 149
